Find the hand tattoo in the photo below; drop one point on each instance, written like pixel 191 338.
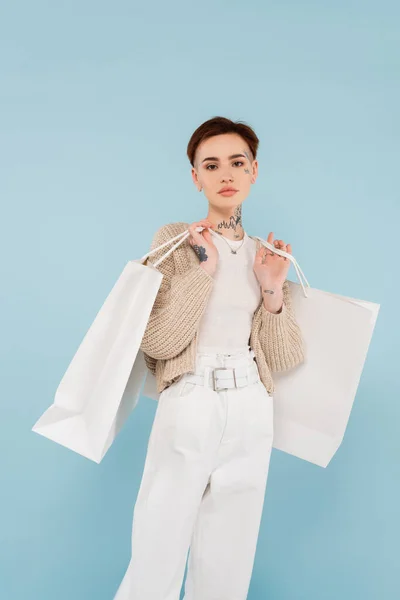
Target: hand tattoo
pixel 201 252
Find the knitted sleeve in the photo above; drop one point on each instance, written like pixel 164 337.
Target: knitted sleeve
pixel 280 335
pixel 179 305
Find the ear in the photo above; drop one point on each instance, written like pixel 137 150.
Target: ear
pixel 255 171
pixel 195 177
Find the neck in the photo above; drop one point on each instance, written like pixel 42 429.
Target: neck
pixel 227 223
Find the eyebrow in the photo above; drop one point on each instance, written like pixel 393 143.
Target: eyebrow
pixel 217 159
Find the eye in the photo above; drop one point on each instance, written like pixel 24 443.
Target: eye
pixel 237 162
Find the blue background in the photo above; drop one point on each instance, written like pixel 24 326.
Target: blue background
pixel 98 102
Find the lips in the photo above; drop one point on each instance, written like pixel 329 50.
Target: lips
pixel 228 192
pixel 227 189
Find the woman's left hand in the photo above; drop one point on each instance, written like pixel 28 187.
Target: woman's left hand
pixel 270 268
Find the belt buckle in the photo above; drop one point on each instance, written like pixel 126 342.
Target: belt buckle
pixel 222 369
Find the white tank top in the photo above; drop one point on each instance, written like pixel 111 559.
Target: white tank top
pixel 236 293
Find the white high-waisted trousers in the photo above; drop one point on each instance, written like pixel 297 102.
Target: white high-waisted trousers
pixel 202 488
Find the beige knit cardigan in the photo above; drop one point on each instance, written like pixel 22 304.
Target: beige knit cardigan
pixel 170 339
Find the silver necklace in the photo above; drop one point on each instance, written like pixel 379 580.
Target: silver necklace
pixel 233 250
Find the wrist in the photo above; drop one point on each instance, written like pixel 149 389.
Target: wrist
pixel 272 298
pixel 207 268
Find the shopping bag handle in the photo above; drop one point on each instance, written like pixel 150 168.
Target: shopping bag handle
pixel 182 235
pixel 296 265
pixel 186 233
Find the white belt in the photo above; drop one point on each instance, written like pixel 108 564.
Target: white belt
pixel 220 378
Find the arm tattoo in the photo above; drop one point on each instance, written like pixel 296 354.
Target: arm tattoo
pixel 201 252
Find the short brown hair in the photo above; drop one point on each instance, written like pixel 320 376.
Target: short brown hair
pixel 218 126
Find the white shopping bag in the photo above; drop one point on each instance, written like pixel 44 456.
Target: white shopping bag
pixel 313 401
pixel 150 386
pixel 102 384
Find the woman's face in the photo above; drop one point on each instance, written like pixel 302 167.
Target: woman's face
pixel 217 166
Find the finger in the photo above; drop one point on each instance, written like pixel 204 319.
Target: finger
pixel 201 223
pixel 261 252
pixel 207 222
pixel 206 225
pixel 259 257
pixel 277 245
pixel 283 247
pixel 196 235
pixel 199 237
pixel 193 226
pixel 207 236
pixel 270 239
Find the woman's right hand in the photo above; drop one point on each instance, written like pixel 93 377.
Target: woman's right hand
pixel 202 244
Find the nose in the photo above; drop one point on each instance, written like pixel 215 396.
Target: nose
pixel 227 178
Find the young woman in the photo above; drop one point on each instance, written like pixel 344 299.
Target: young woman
pixel 221 324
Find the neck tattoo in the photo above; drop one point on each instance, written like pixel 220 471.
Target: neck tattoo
pixel 235 221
